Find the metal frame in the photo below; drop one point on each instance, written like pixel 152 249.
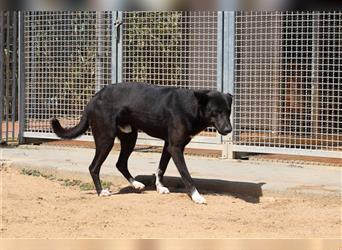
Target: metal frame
pixel 296 56
pixel 75 49
pixel 8 77
pixel 228 74
pixel 143 139
pixel 119 44
pixel 1 70
pixel 21 78
pixel 187 22
pixel 277 35
pixel 115 36
pixel 287 151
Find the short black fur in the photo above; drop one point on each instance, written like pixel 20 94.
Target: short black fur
pixel 172 114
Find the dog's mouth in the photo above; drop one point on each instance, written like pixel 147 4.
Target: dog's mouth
pixel 224 131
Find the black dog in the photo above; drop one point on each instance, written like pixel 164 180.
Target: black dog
pixel 171 114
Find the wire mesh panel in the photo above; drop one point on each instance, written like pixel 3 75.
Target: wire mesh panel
pixel 67 59
pixel 288 80
pixel 8 77
pixel 171 49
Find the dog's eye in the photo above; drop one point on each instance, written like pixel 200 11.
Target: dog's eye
pixel 217 112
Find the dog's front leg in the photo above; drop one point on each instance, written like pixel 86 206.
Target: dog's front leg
pixel 164 161
pixel 177 154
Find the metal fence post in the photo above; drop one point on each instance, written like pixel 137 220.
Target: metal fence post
pixel 7 70
pixel 14 72
pixel 220 51
pixel 21 78
pixel 114 47
pixel 99 50
pixel 1 69
pixel 119 48
pixel 228 73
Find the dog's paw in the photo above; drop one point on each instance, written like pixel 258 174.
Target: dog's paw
pixel 105 192
pixel 163 190
pixel 197 198
pixel 137 185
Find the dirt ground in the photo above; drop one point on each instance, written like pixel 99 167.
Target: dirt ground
pixel 38 207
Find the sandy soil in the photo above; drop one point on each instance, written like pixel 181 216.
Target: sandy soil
pixel 36 207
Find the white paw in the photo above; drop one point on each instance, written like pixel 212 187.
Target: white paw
pixel 163 190
pixel 137 185
pixel 105 192
pixel 197 198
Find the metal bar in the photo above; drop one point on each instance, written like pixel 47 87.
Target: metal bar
pixel 1 70
pixel 142 140
pixel 14 73
pixel 220 60
pixel 21 77
pixel 7 61
pixel 228 73
pixel 287 151
pixel 119 48
pixel 229 56
pixel 99 50
pixel 114 47
pixel 220 32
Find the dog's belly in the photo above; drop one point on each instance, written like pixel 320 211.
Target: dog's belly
pixel 153 127
pixel 157 134
pixel 154 131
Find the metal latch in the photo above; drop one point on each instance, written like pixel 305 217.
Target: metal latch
pixel 117 25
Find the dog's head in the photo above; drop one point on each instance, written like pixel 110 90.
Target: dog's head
pixel 216 109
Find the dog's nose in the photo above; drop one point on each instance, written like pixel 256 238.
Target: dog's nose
pixel 227 130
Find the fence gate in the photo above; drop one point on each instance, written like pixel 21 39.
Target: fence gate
pixel 288 89
pixel 68 58
pixel 8 77
pixel 172 49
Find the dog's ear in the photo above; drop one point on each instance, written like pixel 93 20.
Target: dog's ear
pixel 229 98
pixel 202 96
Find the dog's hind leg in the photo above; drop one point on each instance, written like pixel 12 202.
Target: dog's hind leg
pixel 127 142
pixel 164 161
pixel 103 147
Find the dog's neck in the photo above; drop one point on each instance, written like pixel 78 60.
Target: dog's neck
pixel 201 121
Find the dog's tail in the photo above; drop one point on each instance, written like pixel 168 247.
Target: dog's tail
pixel 70 133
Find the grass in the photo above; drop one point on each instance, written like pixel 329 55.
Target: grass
pixel 84 186
pixel 33 172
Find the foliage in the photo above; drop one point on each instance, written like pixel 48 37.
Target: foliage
pixel 84 186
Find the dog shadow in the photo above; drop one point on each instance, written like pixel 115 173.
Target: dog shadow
pixel 247 191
